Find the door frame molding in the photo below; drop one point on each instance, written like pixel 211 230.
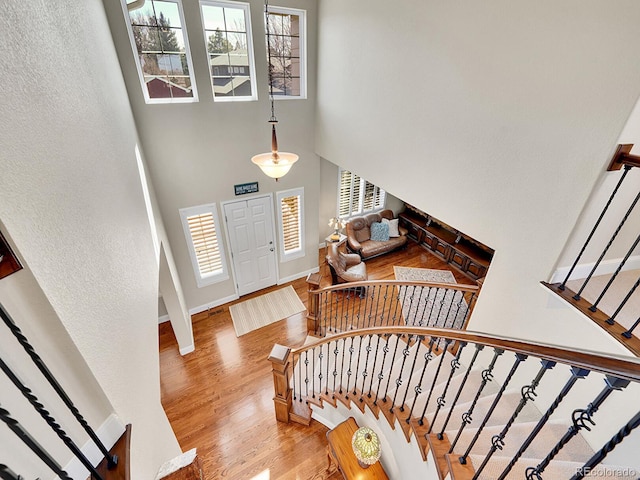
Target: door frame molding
pixel 228 238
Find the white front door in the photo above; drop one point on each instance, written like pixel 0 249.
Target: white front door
pixel 250 227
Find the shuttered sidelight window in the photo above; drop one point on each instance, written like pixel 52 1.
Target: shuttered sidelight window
pixel 357 195
pixel 205 247
pixel 290 219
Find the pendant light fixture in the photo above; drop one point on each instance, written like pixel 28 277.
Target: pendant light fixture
pixel 273 164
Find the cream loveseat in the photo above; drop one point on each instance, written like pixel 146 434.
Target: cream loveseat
pixel 361 241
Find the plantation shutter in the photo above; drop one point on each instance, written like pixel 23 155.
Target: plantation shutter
pixel 344 207
pixel 290 207
pixel 369 196
pixel 205 242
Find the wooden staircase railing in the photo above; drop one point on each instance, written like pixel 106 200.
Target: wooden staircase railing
pixel 609 321
pixel 433 382
pixel 384 303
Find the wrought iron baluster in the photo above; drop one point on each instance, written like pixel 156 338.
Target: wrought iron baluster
pixel 606 248
pixel 594 307
pixel 296 364
pixel 397 305
pixel 398 382
pixel 453 298
pixel 520 357
pixel 320 375
pixel 373 367
pixel 336 351
pixel 629 333
pixel 349 372
pixel 418 388
pixel 33 445
pixel 433 304
pixel 393 359
pixel 441 402
pixel 300 360
pixel 371 305
pixel 365 374
pixel 47 417
pixel 479 348
pixel 385 350
pixel 576 374
pixel 112 460
pixel 313 372
pixel 611 320
pixel 418 344
pixel 487 376
pixel 608 447
pixel 527 393
pixel 383 315
pixel 447 342
pixel 411 321
pixel 595 227
pixel 581 419
pixel 7 474
pixel 355 376
pixel 424 304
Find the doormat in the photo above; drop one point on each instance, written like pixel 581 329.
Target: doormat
pixel 265 309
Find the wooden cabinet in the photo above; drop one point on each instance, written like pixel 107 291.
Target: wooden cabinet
pixel 463 252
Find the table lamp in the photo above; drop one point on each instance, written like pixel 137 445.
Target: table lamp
pixel 337 224
pixel 366 446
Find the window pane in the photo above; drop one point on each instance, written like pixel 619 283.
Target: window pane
pixel 162 50
pixel 229 54
pixel 284 54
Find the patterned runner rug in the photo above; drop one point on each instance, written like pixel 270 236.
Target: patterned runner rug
pixel 434 307
pixel 265 309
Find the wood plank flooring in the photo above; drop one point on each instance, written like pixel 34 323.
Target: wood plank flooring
pixel 219 398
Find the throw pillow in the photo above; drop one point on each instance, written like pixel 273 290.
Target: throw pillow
pixel 379 232
pixel 393 227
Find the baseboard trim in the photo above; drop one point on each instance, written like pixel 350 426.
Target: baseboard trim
pixel 108 433
pixel 163 318
pixel 298 275
pixel 215 303
pixel 605 267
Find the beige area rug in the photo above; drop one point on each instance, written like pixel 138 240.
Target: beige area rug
pixel 265 309
pixel 430 307
pixel 619 289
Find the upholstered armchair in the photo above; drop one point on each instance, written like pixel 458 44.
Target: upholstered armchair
pixel 345 267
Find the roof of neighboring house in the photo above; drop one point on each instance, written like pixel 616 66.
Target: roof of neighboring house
pixel 238 57
pixel 234 82
pixel 168 82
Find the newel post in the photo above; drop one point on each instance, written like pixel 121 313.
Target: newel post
pixel 279 359
pixel 313 303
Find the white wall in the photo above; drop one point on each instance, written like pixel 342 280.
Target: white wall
pixel 620 204
pixel 496 117
pixel 196 152
pixel 72 201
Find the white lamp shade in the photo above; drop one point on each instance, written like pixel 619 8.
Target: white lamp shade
pixel 272 168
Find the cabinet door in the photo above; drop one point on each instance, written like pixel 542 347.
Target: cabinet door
pixel 476 270
pixel 459 259
pixel 430 240
pixel 442 249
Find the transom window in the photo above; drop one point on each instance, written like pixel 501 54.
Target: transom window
pixel 287 51
pixel 162 51
pixel 357 195
pixel 290 220
pixel 200 226
pixel 227 31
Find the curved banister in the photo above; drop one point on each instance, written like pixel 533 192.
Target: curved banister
pixel 608 364
pixel 401 283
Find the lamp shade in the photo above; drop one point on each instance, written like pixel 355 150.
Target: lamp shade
pixel 366 446
pixel 275 167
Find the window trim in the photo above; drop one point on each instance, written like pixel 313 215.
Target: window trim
pixel 363 183
pixel 203 281
pixel 250 51
pixel 303 49
pixel 136 59
pixel 299 253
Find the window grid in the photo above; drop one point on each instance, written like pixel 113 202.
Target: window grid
pixel 227 31
pixel 286 51
pixel 357 195
pixel 162 52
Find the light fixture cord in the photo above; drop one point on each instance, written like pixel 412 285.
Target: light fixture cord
pixel 266 13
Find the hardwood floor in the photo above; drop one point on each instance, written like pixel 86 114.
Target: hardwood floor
pixel 219 398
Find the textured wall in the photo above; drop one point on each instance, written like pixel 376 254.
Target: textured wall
pixel 496 117
pixel 71 199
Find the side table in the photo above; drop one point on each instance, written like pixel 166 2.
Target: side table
pixel 340 452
